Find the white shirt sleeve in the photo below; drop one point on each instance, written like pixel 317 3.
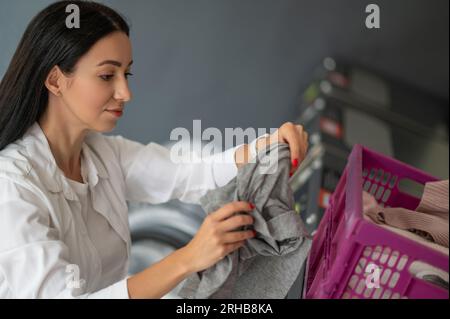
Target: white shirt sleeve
pixel 33 261
pixel 151 175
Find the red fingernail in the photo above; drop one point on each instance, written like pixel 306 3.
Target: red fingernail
pixel 252 206
pixel 290 174
pixel 254 233
pixel 295 162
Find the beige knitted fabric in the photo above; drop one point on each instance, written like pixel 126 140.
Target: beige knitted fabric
pixel 429 220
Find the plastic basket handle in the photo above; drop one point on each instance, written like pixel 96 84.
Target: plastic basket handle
pixel 354 187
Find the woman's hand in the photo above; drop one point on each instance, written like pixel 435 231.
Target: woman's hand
pixel 289 133
pixel 216 237
pixel 292 134
pixel 214 240
pixel 296 137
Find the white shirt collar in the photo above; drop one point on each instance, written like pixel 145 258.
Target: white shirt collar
pixel 52 176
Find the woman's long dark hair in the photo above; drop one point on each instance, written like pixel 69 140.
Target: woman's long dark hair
pixel 48 42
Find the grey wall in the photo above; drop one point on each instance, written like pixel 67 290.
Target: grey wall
pixel 235 63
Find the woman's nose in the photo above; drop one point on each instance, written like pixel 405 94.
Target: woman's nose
pixel 122 91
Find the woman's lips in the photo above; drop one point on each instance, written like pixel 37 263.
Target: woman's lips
pixel 117 113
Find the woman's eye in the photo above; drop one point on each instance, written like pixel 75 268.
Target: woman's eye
pixel 106 77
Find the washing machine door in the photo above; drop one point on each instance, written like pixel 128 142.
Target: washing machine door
pixel 173 223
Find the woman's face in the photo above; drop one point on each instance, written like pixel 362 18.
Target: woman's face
pixel 95 93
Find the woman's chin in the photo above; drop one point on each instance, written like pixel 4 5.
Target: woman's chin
pixel 105 126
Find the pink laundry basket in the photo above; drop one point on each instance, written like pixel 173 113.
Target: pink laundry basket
pixel 346 243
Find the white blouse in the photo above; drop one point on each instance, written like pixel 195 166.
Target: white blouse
pixel 110 247
pixel 64 239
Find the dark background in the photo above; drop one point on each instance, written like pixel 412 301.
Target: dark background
pixel 235 63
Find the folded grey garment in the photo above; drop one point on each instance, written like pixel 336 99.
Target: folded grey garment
pixel 267 265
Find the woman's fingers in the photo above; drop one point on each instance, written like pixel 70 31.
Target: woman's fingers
pixel 235 222
pixel 293 135
pixel 234 246
pixel 298 147
pixel 229 248
pixel 230 209
pixel 236 236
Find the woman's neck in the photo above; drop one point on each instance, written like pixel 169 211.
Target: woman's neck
pixel 65 140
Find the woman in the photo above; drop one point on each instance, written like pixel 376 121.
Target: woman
pixel 64 185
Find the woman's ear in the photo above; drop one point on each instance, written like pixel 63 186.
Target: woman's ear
pixel 53 81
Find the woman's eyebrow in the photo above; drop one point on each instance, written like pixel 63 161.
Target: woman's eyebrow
pixel 113 62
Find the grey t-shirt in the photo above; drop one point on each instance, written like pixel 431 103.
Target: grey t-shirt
pixel 267 265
